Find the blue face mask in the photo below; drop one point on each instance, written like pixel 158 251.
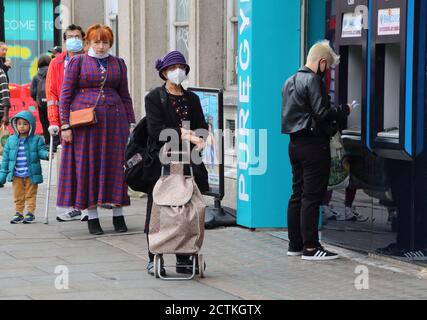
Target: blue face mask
pixel 74 45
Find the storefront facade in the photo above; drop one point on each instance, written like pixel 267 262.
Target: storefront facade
pixel 382 208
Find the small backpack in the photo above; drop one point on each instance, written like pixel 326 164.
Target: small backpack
pixel 41 91
pixel 135 155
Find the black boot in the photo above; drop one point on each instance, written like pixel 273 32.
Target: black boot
pixel 185 265
pixel 120 224
pixel 95 227
pixel 150 267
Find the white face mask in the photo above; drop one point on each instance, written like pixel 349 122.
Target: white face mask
pixel 93 54
pixel 177 76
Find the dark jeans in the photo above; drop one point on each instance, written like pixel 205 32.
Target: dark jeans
pixel 311 160
pixel 45 124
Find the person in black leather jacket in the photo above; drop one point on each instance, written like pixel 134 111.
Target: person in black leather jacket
pixel 307 116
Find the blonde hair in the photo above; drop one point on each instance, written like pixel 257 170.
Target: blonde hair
pixel 323 50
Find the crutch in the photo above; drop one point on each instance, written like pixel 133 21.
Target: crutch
pixel 49 180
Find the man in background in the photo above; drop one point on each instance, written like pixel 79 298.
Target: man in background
pixel 5 64
pixel 73 39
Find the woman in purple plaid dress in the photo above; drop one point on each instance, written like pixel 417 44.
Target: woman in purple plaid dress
pixel 93 156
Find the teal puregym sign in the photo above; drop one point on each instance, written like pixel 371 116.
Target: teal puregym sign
pixel 268 53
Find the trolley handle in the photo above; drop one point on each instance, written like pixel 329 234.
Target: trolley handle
pixel 191 170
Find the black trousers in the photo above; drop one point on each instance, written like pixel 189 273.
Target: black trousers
pixel 311 160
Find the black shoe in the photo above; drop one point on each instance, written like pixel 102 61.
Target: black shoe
pixel 319 254
pixel 391 250
pixel 416 255
pixel 185 266
pixel 407 254
pixel 120 224
pixel 95 227
pixel 294 250
pixel 150 269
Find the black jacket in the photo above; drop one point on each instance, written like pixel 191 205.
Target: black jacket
pixel 306 106
pixel 159 120
pixel 42 73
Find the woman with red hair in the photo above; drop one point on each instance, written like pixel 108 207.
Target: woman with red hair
pixel 93 156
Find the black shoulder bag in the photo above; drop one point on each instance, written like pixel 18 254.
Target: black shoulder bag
pixel 142 164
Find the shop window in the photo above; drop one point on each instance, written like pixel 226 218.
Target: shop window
pixel 112 16
pixel 179 15
pixel 230 136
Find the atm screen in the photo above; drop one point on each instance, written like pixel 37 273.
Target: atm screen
pixel 355 83
pixel 392 76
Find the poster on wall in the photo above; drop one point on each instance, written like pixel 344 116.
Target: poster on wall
pixel 212 105
pixel 352 25
pixel 29 32
pixel 389 22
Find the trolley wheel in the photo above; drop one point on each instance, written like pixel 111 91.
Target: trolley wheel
pixel 157 265
pixel 202 266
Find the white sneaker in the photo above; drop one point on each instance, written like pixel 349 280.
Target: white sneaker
pixel 331 214
pixel 69 216
pixel 327 212
pixel 352 215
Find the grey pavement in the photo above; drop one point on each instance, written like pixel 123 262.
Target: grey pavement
pixel 241 264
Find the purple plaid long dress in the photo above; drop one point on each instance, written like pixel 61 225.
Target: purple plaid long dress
pixel 91 171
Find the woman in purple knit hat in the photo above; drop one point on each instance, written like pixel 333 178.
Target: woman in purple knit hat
pixel 92 160
pixel 171 107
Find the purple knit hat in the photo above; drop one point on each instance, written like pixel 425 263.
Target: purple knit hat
pixel 172 58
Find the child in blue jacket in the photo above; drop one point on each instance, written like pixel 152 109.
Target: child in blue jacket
pixel 21 165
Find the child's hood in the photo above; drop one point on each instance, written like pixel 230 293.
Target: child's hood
pixel 28 116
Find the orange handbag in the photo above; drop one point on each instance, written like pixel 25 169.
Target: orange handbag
pixel 86 117
pixel 83 118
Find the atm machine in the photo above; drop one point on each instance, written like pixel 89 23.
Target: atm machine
pixel 352 44
pixel 396 108
pixel 395 122
pixel 383 69
pixel 351 85
pixel 351 74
